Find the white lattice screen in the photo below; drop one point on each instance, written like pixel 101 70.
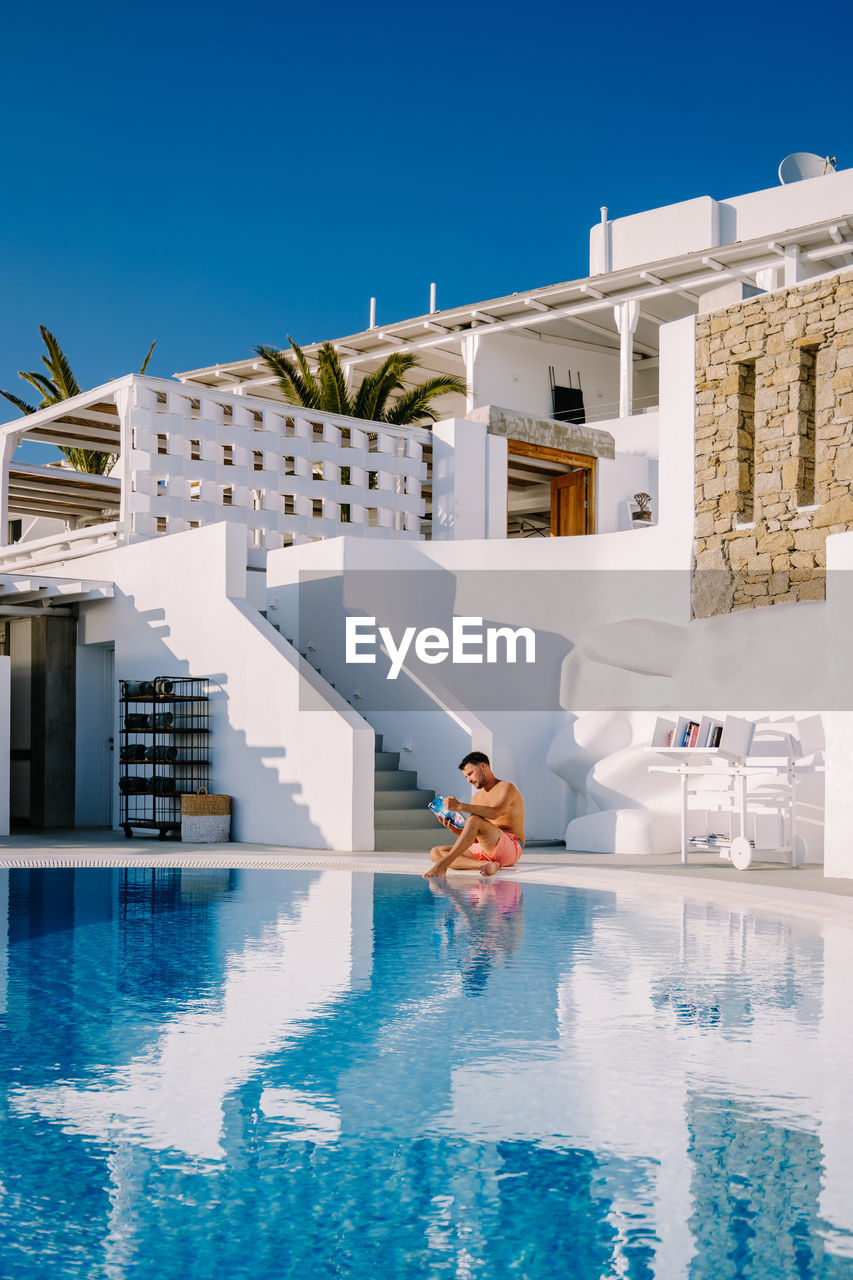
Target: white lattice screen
pixel 288 475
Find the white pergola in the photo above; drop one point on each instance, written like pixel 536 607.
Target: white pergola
pixel 60 493
pixel 89 421
pixel 618 313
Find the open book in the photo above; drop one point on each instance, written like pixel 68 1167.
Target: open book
pixel 453 816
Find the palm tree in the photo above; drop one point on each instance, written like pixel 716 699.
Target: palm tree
pixel 62 385
pixel 327 389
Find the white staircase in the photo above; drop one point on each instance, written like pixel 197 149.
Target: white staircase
pixel 401 820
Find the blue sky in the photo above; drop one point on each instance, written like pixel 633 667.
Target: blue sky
pixel 214 176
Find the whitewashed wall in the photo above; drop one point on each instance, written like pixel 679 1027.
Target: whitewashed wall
pixel 33 527
pixel 436 729
pixel 513 372
pixel 705 223
pixel 469 481
pixel 278 734
pixel 655 234
pixel 429 735
pixel 634 469
pixel 839 721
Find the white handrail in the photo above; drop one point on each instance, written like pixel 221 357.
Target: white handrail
pixel 58 546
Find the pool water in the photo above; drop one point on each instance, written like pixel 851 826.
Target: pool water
pixel 253 1074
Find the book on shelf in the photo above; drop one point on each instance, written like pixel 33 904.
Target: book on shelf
pixel 716 735
pixel 691 731
pixel 669 737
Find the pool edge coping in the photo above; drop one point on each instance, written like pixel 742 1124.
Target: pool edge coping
pixel 805 904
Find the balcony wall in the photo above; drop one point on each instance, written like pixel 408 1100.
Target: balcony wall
pixel 288 475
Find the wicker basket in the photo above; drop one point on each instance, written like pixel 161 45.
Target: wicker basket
pixel 205 819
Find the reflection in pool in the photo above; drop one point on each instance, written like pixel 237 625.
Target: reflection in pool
pixel 252 1074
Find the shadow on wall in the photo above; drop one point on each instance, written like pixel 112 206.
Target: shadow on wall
pixel 247 771
pixel 436 712
pixel 404 602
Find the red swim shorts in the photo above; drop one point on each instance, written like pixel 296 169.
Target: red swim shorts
pixel 506 852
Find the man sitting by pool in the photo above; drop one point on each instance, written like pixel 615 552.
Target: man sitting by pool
pixel 493 835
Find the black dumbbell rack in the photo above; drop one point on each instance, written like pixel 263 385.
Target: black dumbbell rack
pixel 156 725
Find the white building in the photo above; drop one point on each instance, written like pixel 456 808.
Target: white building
pixel 705 362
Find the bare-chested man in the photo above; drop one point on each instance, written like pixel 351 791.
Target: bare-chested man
pixel 493 835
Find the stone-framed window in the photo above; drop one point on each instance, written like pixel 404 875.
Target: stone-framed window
pixel 805 450
pixel 745 374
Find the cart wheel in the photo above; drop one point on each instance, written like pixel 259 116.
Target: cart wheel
pixel 799 855
pixel 741 853
pixel 128 834
pixel 162 835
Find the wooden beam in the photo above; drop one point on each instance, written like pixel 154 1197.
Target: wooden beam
pixel 551 455
pixel 22 611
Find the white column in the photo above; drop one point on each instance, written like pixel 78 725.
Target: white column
pixel 9 445
pixel 460 505
pixel 124 404
pixel 470 349
pixel 792 264
pixel 626 314
pixel 497 483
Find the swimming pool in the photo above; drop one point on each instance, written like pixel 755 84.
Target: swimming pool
pixel 318 1073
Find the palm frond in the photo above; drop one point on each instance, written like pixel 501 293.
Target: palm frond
pixel 415 404
pixel 333 381
pixel 49 390
pixel 43 385
pixel 58 365
pixel 61 386
pixel 307 375
pixel 90 461
pixel 328 390
pixel 365 397
pixel 18 402
pixel 148 357
pixel 377 386
pixel 290 380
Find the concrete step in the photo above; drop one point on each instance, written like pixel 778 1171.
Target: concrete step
pixel 408 817
pixel 386 760
pixel 395 780
pixel 416 798
pixel 404 840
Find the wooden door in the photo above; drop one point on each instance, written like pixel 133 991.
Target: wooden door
pixel 569 504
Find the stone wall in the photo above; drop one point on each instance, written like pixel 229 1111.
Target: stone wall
pixel 774 444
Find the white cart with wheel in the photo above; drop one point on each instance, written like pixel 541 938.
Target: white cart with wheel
pixel 723 780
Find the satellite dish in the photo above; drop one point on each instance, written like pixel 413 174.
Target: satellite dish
pixel 804 164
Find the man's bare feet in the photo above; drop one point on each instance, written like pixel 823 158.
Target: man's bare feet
pixel 489 868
